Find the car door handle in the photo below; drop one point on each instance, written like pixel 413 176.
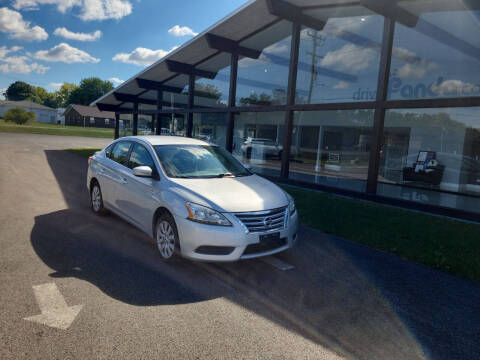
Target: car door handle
pixel 123 180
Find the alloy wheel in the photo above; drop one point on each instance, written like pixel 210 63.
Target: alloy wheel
pixel 96 199
pixel 165 239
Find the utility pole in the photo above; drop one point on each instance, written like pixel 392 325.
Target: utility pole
pixel 317 40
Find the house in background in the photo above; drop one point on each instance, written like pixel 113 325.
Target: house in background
pixel 88 116
pixel 42 113
pixel 60 116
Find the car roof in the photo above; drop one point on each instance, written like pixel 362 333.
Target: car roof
pixel 167 140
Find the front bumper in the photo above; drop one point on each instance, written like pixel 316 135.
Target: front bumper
pixel 194 235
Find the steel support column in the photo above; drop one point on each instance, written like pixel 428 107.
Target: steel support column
pixel 232 93
pixel 135 119
pixel 379 118
pixel 291 91
pixel 117 126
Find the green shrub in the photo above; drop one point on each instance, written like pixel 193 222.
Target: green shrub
pixel 18 115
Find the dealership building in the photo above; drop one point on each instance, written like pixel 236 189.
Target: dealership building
pixel 377 99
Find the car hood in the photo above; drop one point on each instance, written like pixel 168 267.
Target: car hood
pixel 239 194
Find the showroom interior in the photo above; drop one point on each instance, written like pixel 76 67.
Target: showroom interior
pixel 374 99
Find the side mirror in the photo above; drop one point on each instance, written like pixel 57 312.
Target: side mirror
pixel 142 171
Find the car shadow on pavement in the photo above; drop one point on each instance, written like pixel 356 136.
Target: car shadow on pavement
pixel 353 300
pixel 104 250
pixel 64 242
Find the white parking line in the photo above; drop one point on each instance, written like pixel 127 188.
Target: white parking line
pixel 277 263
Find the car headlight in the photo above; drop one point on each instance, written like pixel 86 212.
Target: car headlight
pixel 291 206
pixel 205 215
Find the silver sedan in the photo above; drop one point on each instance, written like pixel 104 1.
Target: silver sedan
pixel 193 198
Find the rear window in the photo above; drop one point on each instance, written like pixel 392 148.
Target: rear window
pixel 120 152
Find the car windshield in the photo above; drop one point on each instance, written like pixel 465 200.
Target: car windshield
pixel 199 161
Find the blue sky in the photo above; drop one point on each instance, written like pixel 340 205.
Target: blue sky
pixel 48 42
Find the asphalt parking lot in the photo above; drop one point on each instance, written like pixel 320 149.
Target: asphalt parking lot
pixel 75 285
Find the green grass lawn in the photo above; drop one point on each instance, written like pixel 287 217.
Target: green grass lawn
pixel 34 127
pixel 85 152
pixel 442 243
pixel 449 245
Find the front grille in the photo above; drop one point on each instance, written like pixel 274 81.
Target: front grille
pixel 267 220
pixel 214 250
pixel 264 246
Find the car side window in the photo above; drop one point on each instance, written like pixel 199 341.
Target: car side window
pixel 140 157
pixel 120 152
pixel 108 150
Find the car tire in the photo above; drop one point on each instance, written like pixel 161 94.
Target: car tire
pixel 96 199
pixel 166 237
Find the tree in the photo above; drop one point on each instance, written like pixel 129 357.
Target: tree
pixel 89 90
pixel 39 94
pixel 18 115
pixel 53 100
pixel 208 91
pixel 254 99
pixel 63 94
pixel 18 91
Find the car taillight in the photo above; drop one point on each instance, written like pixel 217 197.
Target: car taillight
pixel 90 160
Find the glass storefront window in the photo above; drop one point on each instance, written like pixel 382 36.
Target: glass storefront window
pixel 341 62
pixel 440 56
pixel 174 124
pixel 332 148
pixel 429 155
pixel 263 81
pixel 176 100
pixel 125 125
pixel 145 121
pixel 257 141
pixel 210 127
pixel 214 92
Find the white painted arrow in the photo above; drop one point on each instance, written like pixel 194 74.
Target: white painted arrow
pixel 55 312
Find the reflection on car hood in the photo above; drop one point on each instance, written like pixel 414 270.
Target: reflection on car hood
pixel 232 194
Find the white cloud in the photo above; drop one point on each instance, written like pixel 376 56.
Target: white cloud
pixel 142 56
pixel 116 80
pixel 5 51
pixel 415 67
pixel 181 31
pixel 105 9
pixel 349 58
pixel 454 87
pixel 65 53
pixel 337 26
pixel 21 65
pixel 12 22
pixel 341 85
pixel 415 70
pixel 55 85
pixel 277 48
pixel 405 54
pixel 62 5
pixel 89 9
pixel 18 64
pixel 67 34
